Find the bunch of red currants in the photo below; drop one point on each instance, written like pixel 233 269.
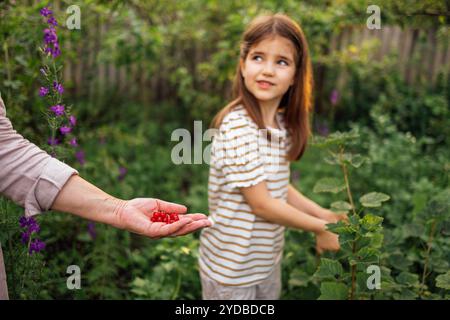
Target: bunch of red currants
pixel 165 217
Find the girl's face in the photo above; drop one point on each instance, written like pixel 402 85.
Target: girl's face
pixel 269 69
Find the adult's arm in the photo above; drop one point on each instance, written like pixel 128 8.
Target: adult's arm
pixel 38 182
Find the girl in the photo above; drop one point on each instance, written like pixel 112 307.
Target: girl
pixel 250 198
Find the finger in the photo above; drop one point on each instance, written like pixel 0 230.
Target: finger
pixel 319 250
pixel 196 216
pixel 172 228
pixel 170 207
pixel 192 227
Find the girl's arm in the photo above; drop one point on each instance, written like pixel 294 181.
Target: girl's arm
pixel 299 201
pixel 280 212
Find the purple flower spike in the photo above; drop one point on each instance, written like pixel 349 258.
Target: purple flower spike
pixel 73 121
pixel 122 173
pixel 58 87
pixel 73 142
pixel 80 157
pixel 50 36
pixel 53 141
pixel 43 91
pixel 45 12
pixel 34 228
pixel 91 230
pixel 36 245
pixel 52 21
pixel 334 97
pixel 23 222
pixel 65 130
pixel 58 110
pixel 25 237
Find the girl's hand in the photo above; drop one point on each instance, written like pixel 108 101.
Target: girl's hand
pixel 326 240
pixel 332 217
pixel 134 216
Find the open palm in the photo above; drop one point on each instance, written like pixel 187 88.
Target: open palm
pixel 135 216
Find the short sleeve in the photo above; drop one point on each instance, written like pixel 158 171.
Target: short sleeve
pixel 236 149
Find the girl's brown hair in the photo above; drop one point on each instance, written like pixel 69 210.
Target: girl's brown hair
pixel 296 102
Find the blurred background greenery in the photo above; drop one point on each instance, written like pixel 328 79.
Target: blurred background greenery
pixel 137 70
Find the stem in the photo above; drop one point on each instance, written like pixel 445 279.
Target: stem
pixel 350 198
pixel 7 67
pixel 353 268
pixel 347 184
pixel 429 243
pixel 177 287
pixel 58 99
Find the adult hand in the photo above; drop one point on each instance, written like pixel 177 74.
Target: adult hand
pixel 135 216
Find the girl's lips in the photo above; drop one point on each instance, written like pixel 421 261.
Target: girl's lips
pixel 264 84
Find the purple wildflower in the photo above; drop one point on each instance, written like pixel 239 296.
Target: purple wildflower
pixel 26 222
pixel 52 21
pixel 36 245
pixel 51 42
pixel 52 141
pixel 73 142
pixel 323 129
pixel 122 173
pixel 30 226
pixel 45 12
pixel 43 91
pixel 65 130
pixel 91 230
pixel 73 121
pixel 58 110
pixel 80 157
pixel 34 228
pixel 50 36
pixel 23 222
pixel 334 97
pixel 56 51
pixel 25 237
pixel 58 87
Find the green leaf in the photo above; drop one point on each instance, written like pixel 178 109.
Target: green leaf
pixel 329 185
pixel 443 281
pixel 407 278
pixel 333 291
pixel 336 138
pixel 367 255
pixel 357 160
pixel 341 206
pixel 298 278
pixel 371 222
pixel 330 269
pixel 373 199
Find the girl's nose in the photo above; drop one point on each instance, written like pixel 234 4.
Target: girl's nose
pixel 268 69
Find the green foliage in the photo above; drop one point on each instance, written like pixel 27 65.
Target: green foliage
pixel 397 133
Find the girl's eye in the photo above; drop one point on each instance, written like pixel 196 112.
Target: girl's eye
pixel 283 62
pixel 257 58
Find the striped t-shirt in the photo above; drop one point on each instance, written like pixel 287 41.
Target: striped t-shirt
pixel 241 249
